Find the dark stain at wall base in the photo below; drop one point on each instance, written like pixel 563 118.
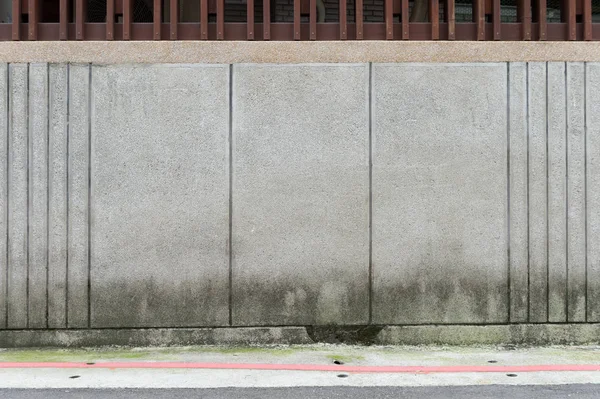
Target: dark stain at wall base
pixel 353 335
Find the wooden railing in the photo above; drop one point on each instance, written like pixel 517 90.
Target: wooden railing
pixel 29 23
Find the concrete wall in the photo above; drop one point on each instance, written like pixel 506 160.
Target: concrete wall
pixel 186 195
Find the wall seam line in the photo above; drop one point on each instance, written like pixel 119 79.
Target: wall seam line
pixel 508 181
pixel 230 204
pixel 89 200
pixel 370 105
pixel 585 187
pixel 8 135
pixel 547 205
pixel 47 189
pixel 67 197
pixel 29 190
pixel 567 192
pixel 528 132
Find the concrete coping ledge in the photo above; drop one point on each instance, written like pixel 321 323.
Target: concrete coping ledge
pixel 459 335
pixel 230 52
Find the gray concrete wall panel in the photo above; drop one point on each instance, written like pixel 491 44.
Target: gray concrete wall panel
pixel 300 194
pixel 593 190
pixel 3 192
pixel 518 191
pixel 78 200
pixel 18 167
pixel 38 194
pixel 440 193
pixel 576 223
pixel 58 76
pixel 160 196
pixel 538 190
pixel 557 193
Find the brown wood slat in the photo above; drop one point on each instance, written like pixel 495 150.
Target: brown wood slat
pixel 80 19
pixel 157 19
pixel 526 19
pixel 479 18
pixel 110 19
pixel 313 20
pixel 297 9
pixel 359 19
pixel 174 18
pixel 34 13
pixel 220 19
pixel 127 11
pixel 343 20
pixel 587 19
pixel 63 31
pixel 496 12
pixel 542 19
pixel 16 21
pixel 389 19
pixel 203 19
pixel 266 19
pixel 250 19
pixel 451 12
pixel 571 19
pixel 434 18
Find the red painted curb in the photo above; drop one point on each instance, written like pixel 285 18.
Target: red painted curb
pixel 304 367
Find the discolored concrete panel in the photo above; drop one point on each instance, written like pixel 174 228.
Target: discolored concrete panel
pixel 557 193
pixel 58 76
pixel 593 190
pixel 78 178
pixel 38 194
pixel 440 193
pixel 3 192
pixel 18 197
pixel 538 193
pixel 576 193
pixel 518 181
pixel 159 189
pixel 300 194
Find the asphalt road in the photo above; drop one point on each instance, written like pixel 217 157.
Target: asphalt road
pixel 466 392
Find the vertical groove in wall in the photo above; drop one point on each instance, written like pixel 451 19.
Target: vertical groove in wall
pixel 89 201
pixel 370 105
pixel 29 168
pixel 230 149
pixel 4 209
pixel 508 216
pixel 47 160
pixel 567 189
pixel 585 188
pixel 8 132
pixel 68 171
pixel 547 199
pixel 528 188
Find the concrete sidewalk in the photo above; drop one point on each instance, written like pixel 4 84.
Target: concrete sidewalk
pixel 309 365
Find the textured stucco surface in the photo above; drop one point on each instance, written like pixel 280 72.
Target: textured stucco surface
pixel 357 193
pixel 159 196
pixel 300 194
pixel 295 52
pixel 439 194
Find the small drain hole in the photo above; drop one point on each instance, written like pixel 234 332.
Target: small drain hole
pixel 492 361
pixel 74 376
pixel 342 375
pixel 90 363
pixel 511 375
pixel 338 362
